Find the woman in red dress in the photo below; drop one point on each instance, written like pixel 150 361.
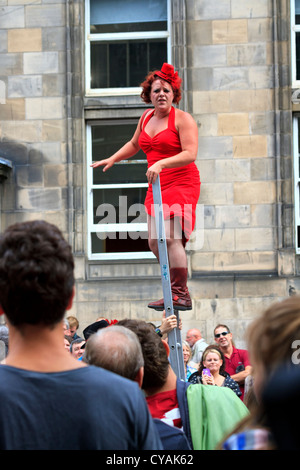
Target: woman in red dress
pixel 169 138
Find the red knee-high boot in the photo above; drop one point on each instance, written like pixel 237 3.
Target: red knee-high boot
pixel 180 294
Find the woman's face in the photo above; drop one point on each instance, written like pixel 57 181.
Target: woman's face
pixel 186 353
pixel 213 362
pixel 161 94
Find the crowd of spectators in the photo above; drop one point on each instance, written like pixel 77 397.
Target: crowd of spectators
pixel 129 395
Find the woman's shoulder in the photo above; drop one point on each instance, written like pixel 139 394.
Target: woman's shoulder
pixel 184 118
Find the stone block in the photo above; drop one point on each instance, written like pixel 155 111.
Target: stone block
pixel 14 17
pixel 233 216
pixel 12 109
pixel 209 102
pixel 54 39
pixel 231 263
pixel 41 108
pixel 255 192
pixel 255 239
pixel 207 169
pixel 3 41
pixel 219 240
pixel 230 78
pixel 251 100
pixel 253 9
pixel 260 30
pixel 54 85
pixel 204 288
pixel 263 215
pixel 261 76
pixel 39 199
pixel 261 288
pixel 22 131
pixel 209 56
pixel 44 15
pixel 45 152
pixel 250 146
pixel 262 123
pixel 54 130
pixel 245 262
pixel 208 125
pixel 232 170
pixel 229 31
pixel 16 152
pixel 202 262
pixel 60 219
pixel 40 62
pixel 215 147
pixel 24 86
pixel 199 32
pixel 201 79
pixel 28 176
pixel 11 64
pixel 216 193
pixel 246 55
pixel 206 10
pixel 233 124
pixel 55 175
pixel 286 263
pixel 25 40
pixel 263 169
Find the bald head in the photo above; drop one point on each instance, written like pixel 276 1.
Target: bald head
pixel 192 336
pixel 117 349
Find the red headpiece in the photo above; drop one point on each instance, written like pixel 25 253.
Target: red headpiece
pixel 167 73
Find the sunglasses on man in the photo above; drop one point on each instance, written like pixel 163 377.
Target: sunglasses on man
pixel 224 333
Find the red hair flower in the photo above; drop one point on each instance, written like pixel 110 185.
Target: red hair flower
pixel 167 73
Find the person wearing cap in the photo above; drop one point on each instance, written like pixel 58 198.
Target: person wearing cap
pixel 169 138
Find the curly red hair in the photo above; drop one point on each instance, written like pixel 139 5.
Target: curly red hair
pixel 168 75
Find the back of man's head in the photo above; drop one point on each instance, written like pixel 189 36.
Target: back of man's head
pixel 36 274
pixel 117 349
pixel 156 363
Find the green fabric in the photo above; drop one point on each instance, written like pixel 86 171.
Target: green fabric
pixel 213 412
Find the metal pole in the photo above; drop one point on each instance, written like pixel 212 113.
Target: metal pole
pixel 174 337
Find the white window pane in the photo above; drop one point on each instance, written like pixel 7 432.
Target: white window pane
pixel 129 11
pixel 122 64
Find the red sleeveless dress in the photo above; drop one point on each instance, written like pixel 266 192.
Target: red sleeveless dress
pixel 180 187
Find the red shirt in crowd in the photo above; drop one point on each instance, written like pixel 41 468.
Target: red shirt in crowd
pixel 239 357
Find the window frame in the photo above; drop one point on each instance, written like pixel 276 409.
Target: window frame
pixel 109 228
pixel 89 38
pixel 296 157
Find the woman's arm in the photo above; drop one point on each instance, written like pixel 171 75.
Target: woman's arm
pixel 128 150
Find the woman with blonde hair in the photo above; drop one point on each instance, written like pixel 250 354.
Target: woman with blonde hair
pixel 212 371
pixel 187 354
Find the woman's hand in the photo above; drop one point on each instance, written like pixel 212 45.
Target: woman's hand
pixel 169 323
pixel 208 379
pixel 106 163
pixel 153 172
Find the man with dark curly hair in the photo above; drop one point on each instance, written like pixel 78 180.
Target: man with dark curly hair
pixel 39 378
pixel 179 403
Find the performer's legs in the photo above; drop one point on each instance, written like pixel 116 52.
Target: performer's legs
pixel 177 263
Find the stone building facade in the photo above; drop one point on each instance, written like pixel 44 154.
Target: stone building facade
pixel 235 59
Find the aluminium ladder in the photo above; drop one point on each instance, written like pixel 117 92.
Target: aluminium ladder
pixel 174 336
